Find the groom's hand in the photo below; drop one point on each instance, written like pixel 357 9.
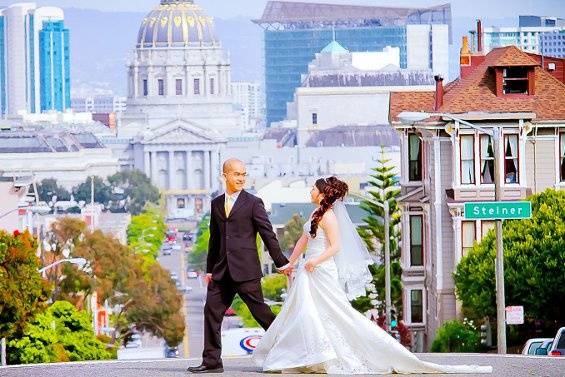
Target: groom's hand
pixel 286 269
pixel 207 278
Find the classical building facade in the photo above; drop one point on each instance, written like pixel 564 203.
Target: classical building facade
pixel 179 105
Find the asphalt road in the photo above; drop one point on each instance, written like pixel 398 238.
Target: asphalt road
pixel 504 366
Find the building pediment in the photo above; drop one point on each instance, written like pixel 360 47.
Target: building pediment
pixel 180 132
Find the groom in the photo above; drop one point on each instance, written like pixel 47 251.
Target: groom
pixel 233 264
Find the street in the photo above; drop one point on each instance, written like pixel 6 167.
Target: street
pixel 504 366
pixel 193 303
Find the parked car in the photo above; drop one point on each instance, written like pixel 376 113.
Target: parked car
pixel 135 341
pixel 532 345
pixel 174 276
pixel 191 274
pixel 176 247
pixel 543 350
pixel 558 346
pixel 171 352
pixel 187 237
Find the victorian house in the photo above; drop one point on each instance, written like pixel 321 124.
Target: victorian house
pixel 445 163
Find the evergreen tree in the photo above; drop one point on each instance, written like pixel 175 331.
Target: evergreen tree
pixel 382 187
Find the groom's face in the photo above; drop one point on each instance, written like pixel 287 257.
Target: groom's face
pixel 235 176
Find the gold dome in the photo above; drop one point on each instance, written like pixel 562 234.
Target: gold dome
pixel 176 23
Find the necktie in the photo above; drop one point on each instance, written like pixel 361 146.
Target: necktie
pixel 228 205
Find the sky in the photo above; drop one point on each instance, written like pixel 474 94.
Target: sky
pixel 254 8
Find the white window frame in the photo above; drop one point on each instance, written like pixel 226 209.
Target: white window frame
pixel 408 304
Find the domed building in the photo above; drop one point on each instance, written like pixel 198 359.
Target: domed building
pixel 179 106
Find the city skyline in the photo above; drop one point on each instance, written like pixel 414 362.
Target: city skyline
pixel 254 8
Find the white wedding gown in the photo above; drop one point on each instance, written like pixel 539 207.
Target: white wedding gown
pixel 318 331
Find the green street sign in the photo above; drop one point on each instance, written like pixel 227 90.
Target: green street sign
pixel 497 210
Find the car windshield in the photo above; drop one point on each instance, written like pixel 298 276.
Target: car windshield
pixel 533 347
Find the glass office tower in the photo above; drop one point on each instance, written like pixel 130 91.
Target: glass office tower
pixel 295 32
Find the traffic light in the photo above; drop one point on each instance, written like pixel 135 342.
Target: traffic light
pixel 486 335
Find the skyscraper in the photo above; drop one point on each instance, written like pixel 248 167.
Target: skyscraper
pixel 296 31
pixel 34 60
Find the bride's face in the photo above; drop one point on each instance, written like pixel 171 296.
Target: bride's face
pixel 315 195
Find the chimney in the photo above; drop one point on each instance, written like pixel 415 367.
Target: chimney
pixel 439 92
pixel 479 37
pixel 465 52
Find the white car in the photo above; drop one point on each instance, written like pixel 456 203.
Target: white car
pixel 532 345
pixel 192 274
pixel 135 341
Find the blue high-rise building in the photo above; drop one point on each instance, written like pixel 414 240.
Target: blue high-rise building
pixel 295 32
pixel 55 66
pixel 34 60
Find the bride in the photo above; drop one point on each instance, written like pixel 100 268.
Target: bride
pixel 317 330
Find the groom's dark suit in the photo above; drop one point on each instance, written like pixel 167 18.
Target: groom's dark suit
pixel 235 267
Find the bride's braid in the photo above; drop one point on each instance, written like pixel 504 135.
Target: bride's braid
pixel 333 189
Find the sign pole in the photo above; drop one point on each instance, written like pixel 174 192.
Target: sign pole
pixel 500 299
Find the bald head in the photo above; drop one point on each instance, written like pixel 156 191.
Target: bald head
pixel 234 174
pixel 232 164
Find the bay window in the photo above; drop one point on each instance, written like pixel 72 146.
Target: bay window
pixel 467 159
pixel 511 169
pixel 487 159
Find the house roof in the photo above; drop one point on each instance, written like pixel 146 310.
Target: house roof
pixel 477 91
pixel 354 136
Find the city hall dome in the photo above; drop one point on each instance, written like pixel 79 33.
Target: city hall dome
pixel 176 23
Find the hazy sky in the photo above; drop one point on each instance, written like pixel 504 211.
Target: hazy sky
pixel 254 8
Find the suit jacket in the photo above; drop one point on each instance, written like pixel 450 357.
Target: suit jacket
pixel 232 247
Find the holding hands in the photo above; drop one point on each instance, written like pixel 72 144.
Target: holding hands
pixel 310 265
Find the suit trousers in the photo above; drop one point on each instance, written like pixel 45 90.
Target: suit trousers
pixel 219 297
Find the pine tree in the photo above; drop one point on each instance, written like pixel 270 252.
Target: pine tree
pixel 381 188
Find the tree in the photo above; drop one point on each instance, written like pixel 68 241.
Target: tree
pixel 136 187
pixel 102 191
pixel 142 289
pixel 274 286
pixel 49 188
pixel 534 266
pixel 23 292
pixel 382 189
pixel 60 334
pixel 292 232
pixel 455 336
pixel 199 251
pixel 382 180
pixel 146 233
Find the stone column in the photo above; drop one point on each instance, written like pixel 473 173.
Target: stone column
pixel 207 168
pixel 188 169
pixel 154 170
pixel 215 172
pixel 171 170
pixel 147 164
pixel 135 93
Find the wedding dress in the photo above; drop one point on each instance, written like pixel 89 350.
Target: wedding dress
pixel 318 331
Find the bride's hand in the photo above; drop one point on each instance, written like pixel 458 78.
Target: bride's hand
pixel 310 266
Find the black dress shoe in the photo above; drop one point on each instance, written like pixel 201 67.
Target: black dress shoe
pixel 205 369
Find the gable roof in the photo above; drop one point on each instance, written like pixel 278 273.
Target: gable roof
pixel 477 91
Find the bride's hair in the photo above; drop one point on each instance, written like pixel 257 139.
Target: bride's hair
pixel 333 189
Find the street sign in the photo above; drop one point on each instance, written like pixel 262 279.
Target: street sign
pixel 498 210
pixel 514 315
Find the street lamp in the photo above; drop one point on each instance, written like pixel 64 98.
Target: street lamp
pixel 410 118
pixel 81 262
pixel 386 216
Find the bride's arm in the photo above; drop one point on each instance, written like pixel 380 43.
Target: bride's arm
pixel 298 249
pixel 330 227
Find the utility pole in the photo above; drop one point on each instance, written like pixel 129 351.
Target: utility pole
pixel 387 262
pixel 500 299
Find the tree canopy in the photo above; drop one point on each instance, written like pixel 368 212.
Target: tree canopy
pixel 23 293
pixel 534 264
